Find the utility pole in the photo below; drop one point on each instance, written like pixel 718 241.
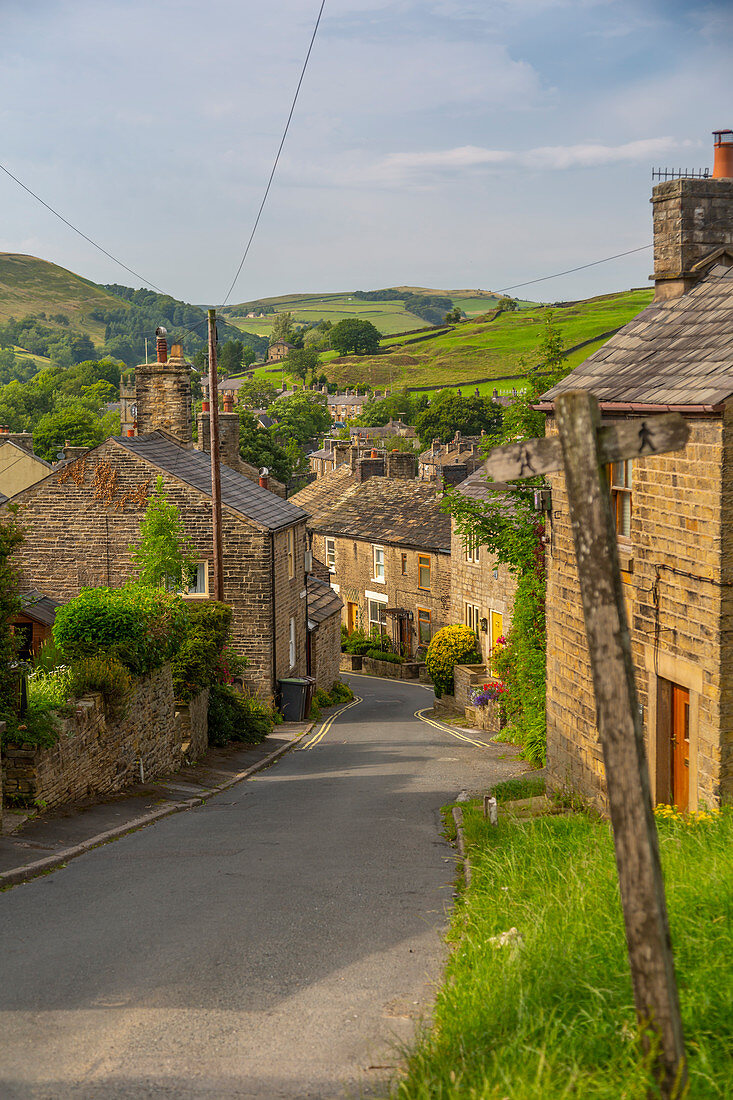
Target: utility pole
pixel 218 587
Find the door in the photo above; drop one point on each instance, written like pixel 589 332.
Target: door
pixel 497 630
pixel 405 637
pixel 352 617
pixel 680 753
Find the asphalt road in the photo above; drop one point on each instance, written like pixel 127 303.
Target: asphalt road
pixel 279 941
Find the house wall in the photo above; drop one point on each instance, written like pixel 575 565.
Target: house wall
pixel 98 754
pixel 354 578
pixel 475 583
pixel 82 522
pixel 679 503
pixel 18 470
pixel 326 652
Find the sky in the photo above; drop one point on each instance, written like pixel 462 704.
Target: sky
pixel 439 143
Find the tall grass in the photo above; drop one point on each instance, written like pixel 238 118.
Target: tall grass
pixel 552 1016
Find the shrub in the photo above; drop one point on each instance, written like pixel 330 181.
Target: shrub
pixel 140 627
pixel 198 662
pixel 383 655
pixel 237 717
pixel 11 537
pixel 450 646
pixel 322 698
pixel 104 674
pixel 341 692
pixel 231 666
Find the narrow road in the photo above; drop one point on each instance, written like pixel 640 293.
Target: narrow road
pixel 279 941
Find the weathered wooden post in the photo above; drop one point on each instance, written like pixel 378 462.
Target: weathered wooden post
pixel 583 450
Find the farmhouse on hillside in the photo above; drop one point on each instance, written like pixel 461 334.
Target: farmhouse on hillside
pixel 674 518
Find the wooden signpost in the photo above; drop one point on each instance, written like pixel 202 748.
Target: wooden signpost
pixel 582 449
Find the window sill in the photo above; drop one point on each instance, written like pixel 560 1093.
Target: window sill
pixel 376 580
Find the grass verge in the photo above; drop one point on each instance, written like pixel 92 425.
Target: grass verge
pixel 551 1014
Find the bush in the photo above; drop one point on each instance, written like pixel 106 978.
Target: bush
pixel 322 698
pixel 341 692
pixel 140 627
pixel 104 674
pixel 383 655
pixel 237 717
pixel 452 645
pixel 198 664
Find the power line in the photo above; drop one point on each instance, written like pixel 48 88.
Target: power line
pixel 277 158
pixel 570 270
pixel 76 230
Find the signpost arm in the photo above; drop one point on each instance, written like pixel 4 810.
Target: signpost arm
pixel 620 730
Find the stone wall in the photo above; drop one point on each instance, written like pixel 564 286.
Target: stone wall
pixel 391 670
pixel 81 522
pixel 489 718
pixel 692 218
pixel 163 396
pixel 353 579
pixel 677 571
pixel 326 652
pixel 466 678
pixel 192 725
pixel 98 754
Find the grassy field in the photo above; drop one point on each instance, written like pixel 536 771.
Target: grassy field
pixel 486 350
pixel 29 285
pixel 551 1014
pixel 389 316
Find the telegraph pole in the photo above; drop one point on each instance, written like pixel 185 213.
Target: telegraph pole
pixel 218 587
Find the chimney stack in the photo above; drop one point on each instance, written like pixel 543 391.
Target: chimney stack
pixel 693 218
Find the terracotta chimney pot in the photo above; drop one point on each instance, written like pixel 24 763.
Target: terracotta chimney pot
pixel 723 147
pixel 205 406
pixel 130 433
pixel 264 479
pixel 228 401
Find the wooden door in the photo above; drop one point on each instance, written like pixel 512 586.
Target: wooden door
pixel 405 637
pixel 352 617
pixel 680 752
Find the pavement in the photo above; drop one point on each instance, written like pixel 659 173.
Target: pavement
pixel 278 941
pixel 35 843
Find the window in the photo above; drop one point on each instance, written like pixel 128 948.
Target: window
pixel 291 553
pixel 378 553
pixel 423 571
pixel 620 480
pixel 470 548
pixel 377 617
pixel 471 616
pixel 292 643
pixel 198 583
pixel 331 555
pixel 404 565
pixel 424 626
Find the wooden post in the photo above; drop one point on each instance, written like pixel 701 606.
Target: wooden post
pixel 620 730
pixel 218 586
pixel 583 450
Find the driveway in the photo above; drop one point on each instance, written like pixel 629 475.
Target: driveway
pixel 279 941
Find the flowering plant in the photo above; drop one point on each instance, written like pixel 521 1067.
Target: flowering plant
pixel 488 693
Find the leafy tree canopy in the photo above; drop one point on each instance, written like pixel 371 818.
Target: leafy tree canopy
pixel 259 447
pixel 283 328
pixel 165 555
pixel 303 361
pixel 448 413
pixel 354 336
pixel 302 416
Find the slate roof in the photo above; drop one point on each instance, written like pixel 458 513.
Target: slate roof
pixel 381 509
pixel 39 607
pixel 323 602
pixel 678 352
pixel 3 498
pixel 238 493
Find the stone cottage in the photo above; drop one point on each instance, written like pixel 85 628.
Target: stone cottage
pixel 482 589
pixel 674 518
pixel 386 544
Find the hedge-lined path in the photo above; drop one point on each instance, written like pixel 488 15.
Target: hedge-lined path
pixel 271 943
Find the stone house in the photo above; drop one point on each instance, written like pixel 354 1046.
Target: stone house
pixel 82 520
pixel 278 351
pixel 482 589
pixel 345 406
pixel 324 632
pixel 451 463
pixel 19 466
pixel 674 517
pixel 386 544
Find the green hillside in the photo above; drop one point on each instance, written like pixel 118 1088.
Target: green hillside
pixel 389 315
pixel 29 285
pixel 471 351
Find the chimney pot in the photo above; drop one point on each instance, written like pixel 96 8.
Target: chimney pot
pixel 176 351
pixel 723 148
pixel 264 478
pixel 228 401
pixel 161 344
pixel 130 433
pixel 205 406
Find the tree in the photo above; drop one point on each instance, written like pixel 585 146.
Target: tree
pixel 258 447
pixel 282 329
pixel 11 537
pixel 353 335
pixel 507 304
pixel 229 357
pixel 448 413
pixel 73 422
pixel 302 416
pixel 248 355
pixel 256 393
pixel 303 361
pixel 165 554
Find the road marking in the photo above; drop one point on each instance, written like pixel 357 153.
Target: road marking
pixel 318 737
pixel 446 729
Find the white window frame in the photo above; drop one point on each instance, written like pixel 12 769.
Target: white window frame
pixel 202 577
pixel 378 565
pixel 380 622
pixel 292 653
pixel 291 552
pixel 330 554
pixel 471 549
